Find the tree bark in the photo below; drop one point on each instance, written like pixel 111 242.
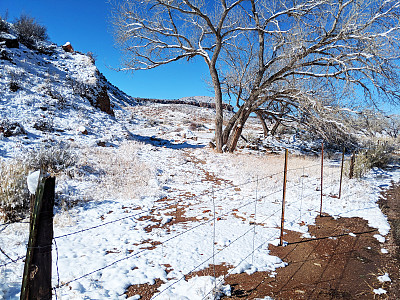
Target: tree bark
pixel 264 125
pixel 236 130
pixel 219 117
pixel 229 126
pixel 275 128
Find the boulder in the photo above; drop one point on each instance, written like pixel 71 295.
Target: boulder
pixel 11 128
pixel 10 40
pixel 103 101
pixel 67 47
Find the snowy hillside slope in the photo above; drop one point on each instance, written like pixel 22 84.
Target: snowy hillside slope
pixel 140 202
pixel 55 93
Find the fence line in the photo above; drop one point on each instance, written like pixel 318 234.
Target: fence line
pixel 186 199
pixel 241 261
pixel 169 239
pixel 302 182
pixel 201 224
pixel 163 206
pixel 13 261
pixel 5 254
pixel 255 218
pixel 12 223
pixel 219 251
pixel 162 243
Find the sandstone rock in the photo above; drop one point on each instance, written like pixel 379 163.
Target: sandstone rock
pixel 67 47
pixel 103 101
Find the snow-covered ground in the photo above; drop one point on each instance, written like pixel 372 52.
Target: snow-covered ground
pixel 156 202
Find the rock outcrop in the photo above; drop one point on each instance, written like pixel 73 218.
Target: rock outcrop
pixel 67 47
pixel 9 40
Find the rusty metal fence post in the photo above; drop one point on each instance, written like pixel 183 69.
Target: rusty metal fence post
pixel 284 197
pixel 352 161
pixel 322 176
pixel 341 173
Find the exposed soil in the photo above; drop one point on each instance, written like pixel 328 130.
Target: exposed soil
pixel 333 265
pixel 342 261
pixel 146 291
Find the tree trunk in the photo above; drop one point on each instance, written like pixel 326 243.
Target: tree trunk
pixel 264 125
pixel 229 126
pixel 278 120
pixel 219 117
pixel 237 129
pixel 275 128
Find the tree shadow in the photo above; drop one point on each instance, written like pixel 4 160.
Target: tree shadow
pixel 158 142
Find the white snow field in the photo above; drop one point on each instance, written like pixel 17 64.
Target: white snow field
pixel 156 202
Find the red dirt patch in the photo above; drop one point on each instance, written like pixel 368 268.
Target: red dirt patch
pixel 146 291
pixel 153 244
pixel 218 270
pixel 333 265
pixel 343 267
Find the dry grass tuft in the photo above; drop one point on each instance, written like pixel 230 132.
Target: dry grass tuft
pixel 120 173
pixel 14 194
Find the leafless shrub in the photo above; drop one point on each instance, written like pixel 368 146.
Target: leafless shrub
pixel 3 25
pixel 92 56
pixel 193 126
pixel 8 128
pixel 44 125
pixel 374 156
pixel 81 89
pixel 52 158
pixel 14 194
pixel 29 31
pixel 15 81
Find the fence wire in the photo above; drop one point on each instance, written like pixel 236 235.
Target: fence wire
pixel 302 184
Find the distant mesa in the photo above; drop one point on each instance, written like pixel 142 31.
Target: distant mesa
pixel 67 47
pixel 200 101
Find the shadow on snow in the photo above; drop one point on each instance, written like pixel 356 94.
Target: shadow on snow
pixel 158 142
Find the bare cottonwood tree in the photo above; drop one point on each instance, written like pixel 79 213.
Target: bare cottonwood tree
pixel 283 60
pixel 158 32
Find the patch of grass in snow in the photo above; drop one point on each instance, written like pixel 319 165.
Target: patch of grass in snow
pixel 378 155
pixel 265 165
pixel 52 158
pixel 118 171
pixel 14 194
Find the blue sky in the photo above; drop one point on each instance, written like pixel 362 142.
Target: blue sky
pixel 86 25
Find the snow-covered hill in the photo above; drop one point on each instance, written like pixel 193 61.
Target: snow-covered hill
pixel 51 92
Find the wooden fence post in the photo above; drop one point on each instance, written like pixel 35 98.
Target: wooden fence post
pixel 341 173
pixel 284 197
pixel 352 161
pixel 36 282
pixel 322 176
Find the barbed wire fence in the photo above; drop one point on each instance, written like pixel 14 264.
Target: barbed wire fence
pixel 308 187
